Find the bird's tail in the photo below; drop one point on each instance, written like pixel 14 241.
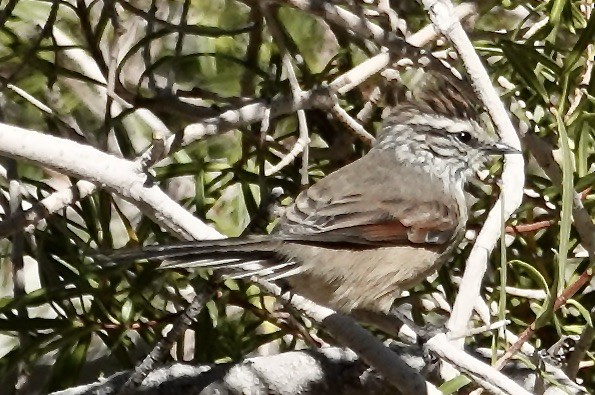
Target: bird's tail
pixel 235 257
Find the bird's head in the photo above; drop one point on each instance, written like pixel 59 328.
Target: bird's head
pixel 441 133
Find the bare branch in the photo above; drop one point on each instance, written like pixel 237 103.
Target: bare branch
pixel 442 15
pixel 287 373
pixel 119 175
pixel 157 355
pixel 486 376
pixel 296 91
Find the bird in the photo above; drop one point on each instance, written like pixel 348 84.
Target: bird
pixel 367 232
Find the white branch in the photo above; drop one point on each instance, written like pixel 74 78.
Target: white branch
pixel 486 376
pixel 65 197
pixel 27 219
pixel 513 176
pixel 119 175
pixel 297 149
pixel 287 373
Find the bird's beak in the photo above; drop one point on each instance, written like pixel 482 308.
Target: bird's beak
pixel 500 149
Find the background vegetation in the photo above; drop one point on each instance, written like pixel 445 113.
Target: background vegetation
pixel 65 319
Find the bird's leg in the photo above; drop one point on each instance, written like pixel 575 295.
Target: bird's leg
pixel 393 322
pixel 423 333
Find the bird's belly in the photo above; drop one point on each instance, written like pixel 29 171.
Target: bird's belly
pixel 364 279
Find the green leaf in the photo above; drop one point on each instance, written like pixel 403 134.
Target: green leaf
pixel 583 310
pixel 127 310
pixel 534 273
pixel 66 369
pixel 454 385
pixel 37 298
pixel 567 196
pixel 585 182
pixel 556 12
pixel 587 36
pixel 547 310
pixel 524 63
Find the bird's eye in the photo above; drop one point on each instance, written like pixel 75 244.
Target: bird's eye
pixel 464 137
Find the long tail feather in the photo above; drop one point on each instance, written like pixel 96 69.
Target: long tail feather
pixel 237 257
pixel 223 249
pixel 278 275
pixel 262 271
pixel 209 263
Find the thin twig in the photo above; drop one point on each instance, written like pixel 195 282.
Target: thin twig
pixel 179 42
pixel 297 148
pixel 18 269
pixel 352 124
pixel 301 145
pixel 25 220
pixel 524 228
pixel 484 374
pixel 157 355
pixel 155 153
pixel 566 294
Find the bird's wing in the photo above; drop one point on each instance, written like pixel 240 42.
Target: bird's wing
pixel 388 205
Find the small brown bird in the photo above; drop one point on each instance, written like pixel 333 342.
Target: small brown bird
pixel 372 229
